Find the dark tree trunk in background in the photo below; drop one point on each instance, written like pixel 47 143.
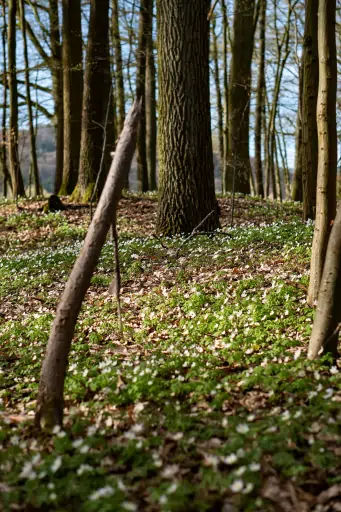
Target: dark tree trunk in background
pixel 3 141
pixel 186 183
pixel 216 76
pixel 142 169
pixel 118 67
pixel 327 144
pixel 260 102
pixel 309 100
pixel 151 103
pixel 16 176
pixel 226 94
pixel 33 149
pixel 297 186
pixel 239 168
pixel 57 90
pixel 96 102
pixel 72 92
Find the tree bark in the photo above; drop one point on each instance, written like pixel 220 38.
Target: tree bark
pixel 57 90
pixel 3 144
pixel 50 403
pixel 239 167
pixel 96 102
pixel 260 102
pixel 119 67
pixel 186 182
pixel 226 95
pixel 33 149
pixel 72 92
pixel 151 128
pixel 297 186
pixel 142 169
pixel 328 313
pixel 327 142
pixel 218 93
pixel 309 101
pixel 18 188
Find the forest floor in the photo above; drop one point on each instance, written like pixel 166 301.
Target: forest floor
pixel 205 403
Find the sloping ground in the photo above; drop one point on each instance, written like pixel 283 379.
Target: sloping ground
pixel 206 402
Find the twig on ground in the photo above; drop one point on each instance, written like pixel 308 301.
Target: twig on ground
pixel 115 285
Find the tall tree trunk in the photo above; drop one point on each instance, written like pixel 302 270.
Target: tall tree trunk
pixel 72 92
pixel 142 169
pixel 259 102
pixel 283 52
pixel 239 168
pixel 151 103
pixel 297 186
pixel 186 186
pixel 3 142
pixel 57 90
pixel 216 76
pixel 327 143
pixel 16 176
pixel 325 333
pixel 33 149
pixel 96 130
pixel 50 403
pixel 118 66
pixel 226 95
pixel 309 100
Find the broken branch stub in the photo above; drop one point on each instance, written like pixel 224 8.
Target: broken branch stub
pixel 50 403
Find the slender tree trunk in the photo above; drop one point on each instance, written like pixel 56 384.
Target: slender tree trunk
pixel 16 176
pixel 72 92
pixel 33 149
pixel 119 67
pixel 309 100
pixel 3 143
pixel 151 103
pixel 259 102
pixel 186 185
pixel 327 142
pixel 324 336
pixel 297 186
pixel 279 194
pixel 96 102
pixel 50 403
pixel 239 167
pixel 216 77
pixel 226 96
pixel 142 169
pixel 57 90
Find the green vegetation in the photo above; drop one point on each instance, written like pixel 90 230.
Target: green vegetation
pixel 207 399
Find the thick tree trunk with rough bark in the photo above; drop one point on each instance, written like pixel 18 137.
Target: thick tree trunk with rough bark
pixel 57 90
pixel 324 337
pixel 16 176
pixel 33 149
pixel 120 100
pixel 186 180
pixel 260 102
pixel 50 403
pixel 96 105
pixel 239 167
pixel 327 144
pixel 72 92
pixel 142 169
pixel 309 100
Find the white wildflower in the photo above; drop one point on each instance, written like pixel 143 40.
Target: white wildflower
pixel 84 468
pixel 237 485
pixel 170 471
pixel 249 487
pixel 254 466
pixel 129 505
pixel 242 428
pixel 56 464
pixel 103 492
pixel 333 370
